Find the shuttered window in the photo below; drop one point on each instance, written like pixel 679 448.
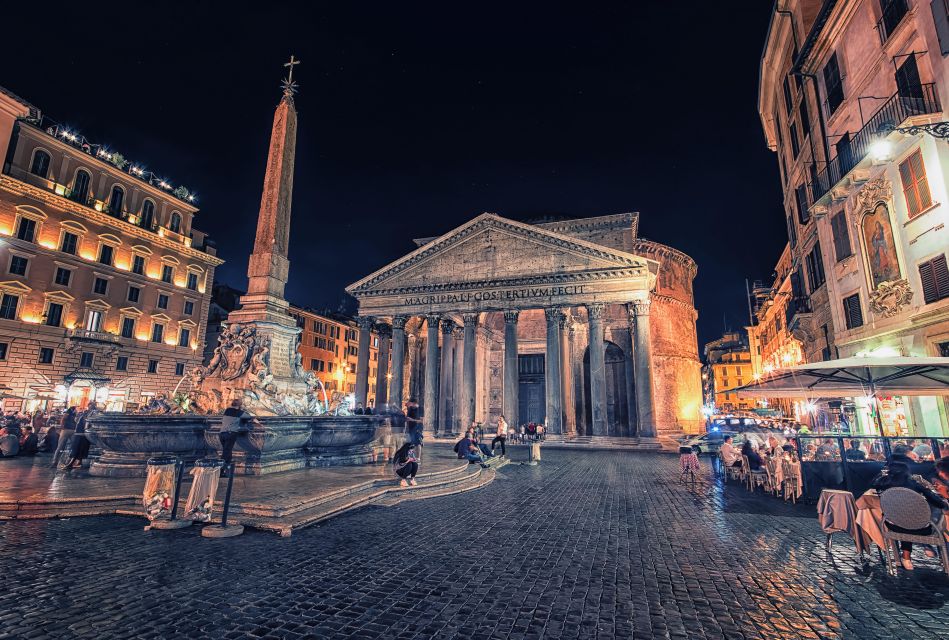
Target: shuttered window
pixel 940 9
pixel 838 225
pixel 852 313
pixel 815 268
pixel 915 185
pixel 934 275
pixel 800 196
pixel 833 83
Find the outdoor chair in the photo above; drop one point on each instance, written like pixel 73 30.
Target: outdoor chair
pixel 754 478
pixel 731 473
pixel 790 481
pixel 907 509
pixel 772 468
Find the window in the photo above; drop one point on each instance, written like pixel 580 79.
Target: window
pixel 915 185
pixel 106 254
pixel 63 276
pixel 116 200
pixel 85 360
pixel 94 320
pixel 800 197
pixel 792 232
pixel 40 165
pixel 134 294
pixel 838 225
pixel 940 9
pixel 179 368
pixel 46 355
pixel 934 275
pixel 892 13
pixel 69 243
pixel 329 366
pixel 128 327
pixel 162 301
pixel 788 102
pixel 80 186
pixel 833 83
pixel 852 312
pixel 3 350
pixel 193 281
pixel 148 215
pixel 167 273
pixel 54 314
pixel 100 286
pixel 184 337
pixel 18 265
pixel 8 305
pixel 158 332
pixel 153 366
pixel 26 230
pixel 804 119
pixel 815 268
pixel 122 363
pixel 138 265
pixel 175 224
pixel 795 143
pixel 189 308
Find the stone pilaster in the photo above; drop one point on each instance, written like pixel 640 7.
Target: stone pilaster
pixel 382 371
pixel 398 361
pixel 566 378
pixel 641 365
pixel 446 396
pixel 597 369
pixel 511 378
pixel 552 373
pixel 457 377
pixel 470 377
pixel 430 407
pixel 366 324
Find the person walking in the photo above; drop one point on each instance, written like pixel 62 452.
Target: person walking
pixel 66 432
pixel 407 464
pixel 501 436
pixel 80 443
pixel 233 422
pixel 414 424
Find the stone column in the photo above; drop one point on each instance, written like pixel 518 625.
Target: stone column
pixel 445 395
pixel 511 381
pixel 457 376
pixel 414 349
pixel 382 372
pixel 566 377
pixel 398 361
pixel 430 407
pixel 629 366
pixel 642 365
pixel 597 369
pixel 552 377
pixel 469 378
pixel 365 324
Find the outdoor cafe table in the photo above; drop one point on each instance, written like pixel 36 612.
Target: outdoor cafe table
pixel 870 519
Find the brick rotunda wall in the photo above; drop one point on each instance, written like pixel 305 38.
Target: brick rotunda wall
pixel 677 377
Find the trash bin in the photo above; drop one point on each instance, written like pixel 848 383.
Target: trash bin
pixel 534 451
pixel 159 486
pixel 203 489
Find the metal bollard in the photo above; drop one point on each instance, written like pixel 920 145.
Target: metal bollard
pixel 224 530
pixel 173 522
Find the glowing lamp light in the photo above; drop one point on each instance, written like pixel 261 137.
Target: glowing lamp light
pixel 164 185
pixel 879 352
pixel 161 231
pixel 194 346
pixel 30 318
pixel 60 190
pixel 768 368
pixel 810 407
pixel 142 336
pixel 170 342
pixel 88 256
pixel 47 244
pixel 756 376
pixel 98 205
pixel 138 170
pixel 124 266
pixel 881 150
pixel 5 231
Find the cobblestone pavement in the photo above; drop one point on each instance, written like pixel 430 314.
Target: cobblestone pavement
pixel 588 545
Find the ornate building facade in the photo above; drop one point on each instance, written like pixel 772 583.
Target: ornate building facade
pixel 579 324
pixel 104 282
pixel 847 96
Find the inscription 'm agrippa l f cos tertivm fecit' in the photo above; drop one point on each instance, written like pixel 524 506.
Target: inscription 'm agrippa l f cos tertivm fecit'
pixel 495 294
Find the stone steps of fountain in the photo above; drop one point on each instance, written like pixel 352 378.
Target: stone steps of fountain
pixel 35 509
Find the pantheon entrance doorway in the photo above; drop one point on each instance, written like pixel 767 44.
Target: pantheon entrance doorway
pixel 617 407
pixel 531 388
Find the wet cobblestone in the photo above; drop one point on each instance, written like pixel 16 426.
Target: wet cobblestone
pixel 587 545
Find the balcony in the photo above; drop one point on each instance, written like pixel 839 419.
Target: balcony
pixel 85 335
pixel 892 16
pixel 923 100
pixel 796 308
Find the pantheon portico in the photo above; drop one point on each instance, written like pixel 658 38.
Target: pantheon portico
pixel 576 323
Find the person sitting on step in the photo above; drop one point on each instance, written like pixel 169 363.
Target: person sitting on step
pixel 406 462
pixel 468 450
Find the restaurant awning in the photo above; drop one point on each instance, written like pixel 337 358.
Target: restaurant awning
pixel 851 377
pixel 85 374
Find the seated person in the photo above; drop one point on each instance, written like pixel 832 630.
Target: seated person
pixel 754 460
pixel 896 474
pixel 729 454
pixel 28 442
pixel 467 450
pixel 855 453
pixel 923 451
pixel 827 450
pixel 941 481
pixel 483 448
pixel 50 440
pixel 902 453
pixel 9 443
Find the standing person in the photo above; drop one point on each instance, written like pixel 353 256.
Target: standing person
pixel 80 443
pixel 233 422
pixel 406 462
pixel 28 442
pixel 414 423
pixel 502 435
pixel 65 435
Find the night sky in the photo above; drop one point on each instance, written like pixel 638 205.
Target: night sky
pixel 413 119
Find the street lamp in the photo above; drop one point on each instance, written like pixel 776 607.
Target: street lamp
pixel 881 149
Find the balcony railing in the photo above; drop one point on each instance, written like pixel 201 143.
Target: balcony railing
pixel 921 100
pixel 796 306
pixel 86 335
pixel 893 14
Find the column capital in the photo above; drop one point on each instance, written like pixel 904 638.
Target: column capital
pixel 448 326
pixel 365 323
pixel 511 315
pixel 595 310
pixel 384 330
pixel 554 314
pixel 459 333
pixel 638 308
pixel 432 319
pixel 471 319
pixel 398 322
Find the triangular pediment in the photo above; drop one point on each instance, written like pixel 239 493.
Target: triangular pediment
pixel 492 248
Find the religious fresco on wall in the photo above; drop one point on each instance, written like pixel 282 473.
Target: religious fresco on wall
pixel 880 246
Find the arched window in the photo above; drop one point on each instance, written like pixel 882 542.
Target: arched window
pixel 175 224
pixel 40 165
pixel 148 214
pixel 116 200
pixel 80 187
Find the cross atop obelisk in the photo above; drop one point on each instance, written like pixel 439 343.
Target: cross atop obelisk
pixel 289 86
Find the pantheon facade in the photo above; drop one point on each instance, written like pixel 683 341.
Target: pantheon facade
pixel 578 324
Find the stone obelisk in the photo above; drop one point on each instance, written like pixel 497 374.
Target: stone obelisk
pixel 263 307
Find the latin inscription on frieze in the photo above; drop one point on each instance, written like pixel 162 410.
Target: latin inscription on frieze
pixel 498 295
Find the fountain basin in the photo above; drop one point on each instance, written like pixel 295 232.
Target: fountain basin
pixel 274 445
pixel 343 440
pixel 128 441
